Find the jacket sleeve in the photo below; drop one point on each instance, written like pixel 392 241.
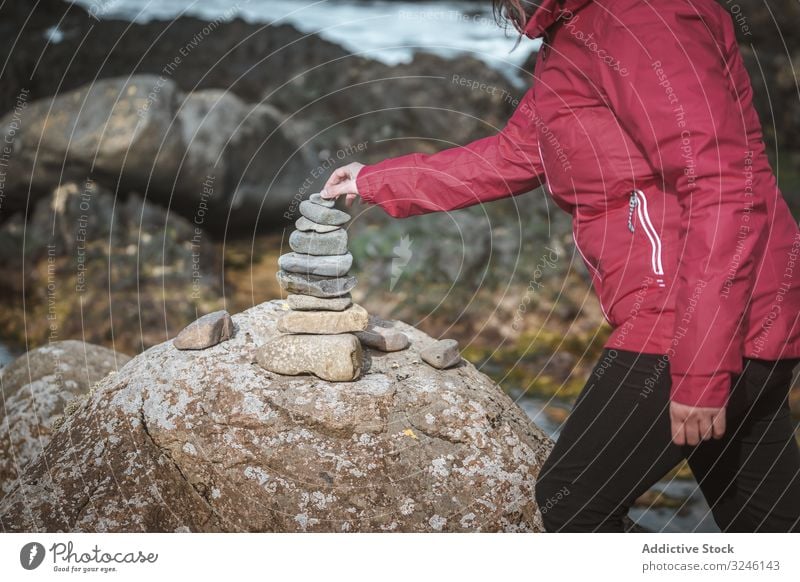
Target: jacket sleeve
pixel 498 166
pixel 684 110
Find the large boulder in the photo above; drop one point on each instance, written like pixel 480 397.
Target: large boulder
pixel 208 155
pixel 209 441
pixel 36 387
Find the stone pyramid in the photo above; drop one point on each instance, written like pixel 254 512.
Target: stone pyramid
pixel 323 331
pixel 318 329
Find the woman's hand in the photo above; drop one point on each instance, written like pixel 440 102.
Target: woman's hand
pixel 343 183
pixel 692 424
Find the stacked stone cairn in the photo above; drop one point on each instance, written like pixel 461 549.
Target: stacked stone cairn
pixel 318 328
pixel 322 331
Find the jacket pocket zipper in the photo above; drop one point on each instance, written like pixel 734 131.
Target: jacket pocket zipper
pixel 637 208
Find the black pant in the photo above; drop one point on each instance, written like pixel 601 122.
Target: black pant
pixel 617 443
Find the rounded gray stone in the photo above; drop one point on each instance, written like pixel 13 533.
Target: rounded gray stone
pixel 317 286
pixel 335 358
pixel 323 215
pixel 326 266
pixel 205 332
pixel 314 243
pixel 383 339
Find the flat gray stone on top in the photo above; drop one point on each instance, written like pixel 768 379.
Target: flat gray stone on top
pixel 317 286
pixel 321 215
pixel 318 199
pixel 326 266
pixel 315 243
pixel 205 332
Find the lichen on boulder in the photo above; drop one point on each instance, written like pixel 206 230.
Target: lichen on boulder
pixel 208 440
pixel 37 388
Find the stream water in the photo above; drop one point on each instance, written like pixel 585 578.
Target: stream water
pixel 5 355
pixel 390 32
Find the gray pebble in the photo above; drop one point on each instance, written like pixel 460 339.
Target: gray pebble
pixel 318 199
pixel 325 266
pixel 321 215
pixel 314 243
pixel 205 332
pixel 316 286
pixel 441 354
pixel 383 339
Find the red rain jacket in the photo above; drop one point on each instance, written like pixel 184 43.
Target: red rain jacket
pixel 641 123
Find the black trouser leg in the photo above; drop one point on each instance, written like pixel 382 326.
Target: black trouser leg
pixel 613 447
pixel 751 478
pixel 617 443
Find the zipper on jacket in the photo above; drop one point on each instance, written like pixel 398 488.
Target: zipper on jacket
pixel 632 201
pixel 637 207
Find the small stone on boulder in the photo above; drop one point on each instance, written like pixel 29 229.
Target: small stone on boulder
pixel 441 354
pixel 314 243
pixel 355 318
pixel 326 266
pixel 307 225
pixel 324 287
pixel 205 332
pixel 335 358
pixel 311 303
pixel 383 339
pixel 322 215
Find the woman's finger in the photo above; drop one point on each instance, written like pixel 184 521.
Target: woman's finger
pixel 718 424
pixel 343 188
pixel 692 429
pixel 337 190
pixel 337 177
pixel 705 426
pixel 678 434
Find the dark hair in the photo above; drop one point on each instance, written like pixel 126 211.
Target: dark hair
pixel 513 12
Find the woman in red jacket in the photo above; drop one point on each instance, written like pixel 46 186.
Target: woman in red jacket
pixel 641 124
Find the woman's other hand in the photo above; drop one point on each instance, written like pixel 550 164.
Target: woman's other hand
pixel 343 183
pixel 693 424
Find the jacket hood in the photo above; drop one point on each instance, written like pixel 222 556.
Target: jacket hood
pixel 548 12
